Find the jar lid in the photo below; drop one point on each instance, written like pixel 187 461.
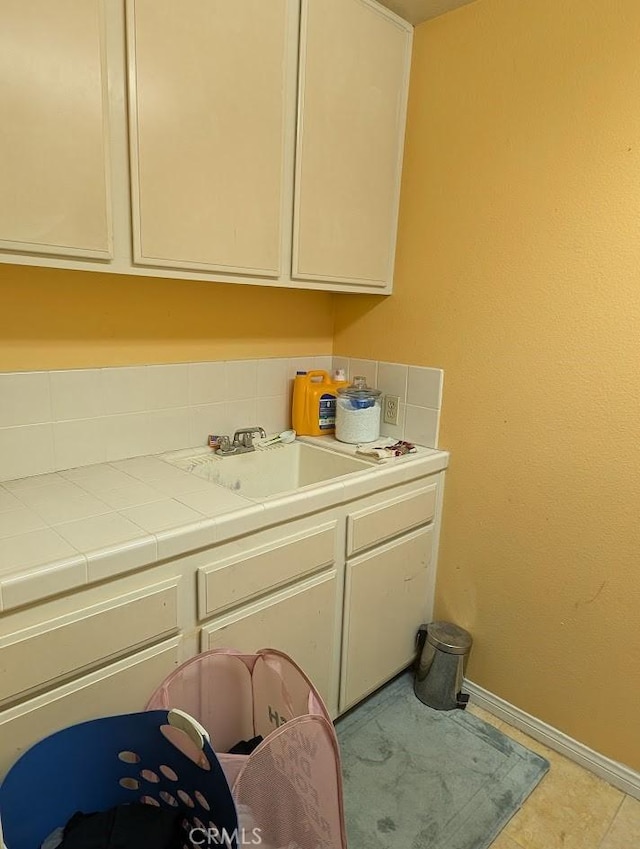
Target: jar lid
pixel 359 390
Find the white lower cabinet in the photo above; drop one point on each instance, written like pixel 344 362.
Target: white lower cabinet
pixel 387 596
pixel 300 622
pixel 342 591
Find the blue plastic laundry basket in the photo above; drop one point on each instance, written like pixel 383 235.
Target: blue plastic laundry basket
pixel 106 762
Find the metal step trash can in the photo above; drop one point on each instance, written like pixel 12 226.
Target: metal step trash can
pixel 443 649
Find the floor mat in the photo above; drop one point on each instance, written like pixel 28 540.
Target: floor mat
pixel 418 778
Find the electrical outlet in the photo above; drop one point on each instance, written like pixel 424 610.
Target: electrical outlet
pixel 391 409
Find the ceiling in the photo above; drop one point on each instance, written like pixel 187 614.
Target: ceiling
pixel 417 11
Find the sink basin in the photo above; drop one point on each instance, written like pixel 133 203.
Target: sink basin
pixel 268 471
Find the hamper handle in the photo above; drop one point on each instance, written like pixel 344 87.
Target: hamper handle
pixel 191 727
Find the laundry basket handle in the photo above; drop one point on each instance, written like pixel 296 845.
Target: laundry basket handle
pixel 183 722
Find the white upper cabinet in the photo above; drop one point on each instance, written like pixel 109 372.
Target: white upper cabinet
pixel 208 108
pixel 354 72
pixel 54 174
pixel 243 141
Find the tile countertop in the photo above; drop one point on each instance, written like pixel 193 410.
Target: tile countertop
pixel 64 530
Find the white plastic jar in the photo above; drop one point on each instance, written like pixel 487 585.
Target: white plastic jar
pixel 358 409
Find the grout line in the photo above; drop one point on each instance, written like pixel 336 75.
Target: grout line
pixel 613 819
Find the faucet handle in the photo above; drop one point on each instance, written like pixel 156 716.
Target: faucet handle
pixel 224 444
pixel 244 436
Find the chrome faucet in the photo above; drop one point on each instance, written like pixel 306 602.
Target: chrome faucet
pixel 242 441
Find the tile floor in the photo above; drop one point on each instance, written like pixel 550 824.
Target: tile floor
pixel 571 808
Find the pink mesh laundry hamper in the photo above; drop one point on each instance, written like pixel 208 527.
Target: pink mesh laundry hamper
pixel 290 786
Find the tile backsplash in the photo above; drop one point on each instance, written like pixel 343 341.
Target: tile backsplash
pixel 418 388
pixel 56 420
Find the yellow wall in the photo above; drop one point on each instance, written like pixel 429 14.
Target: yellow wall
pixel 518 272
pixel 52 318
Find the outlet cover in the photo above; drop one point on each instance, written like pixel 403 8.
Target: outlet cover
pixel 391 409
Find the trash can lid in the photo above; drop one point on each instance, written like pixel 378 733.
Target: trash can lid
pixel 449 638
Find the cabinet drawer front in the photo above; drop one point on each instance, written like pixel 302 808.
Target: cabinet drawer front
pixel 388 595
pixel 123 687
pixel 239 579
pixel 300 622
pixel 37 657
pixel 381 522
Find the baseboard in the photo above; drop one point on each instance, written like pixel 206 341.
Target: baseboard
pixel 617 774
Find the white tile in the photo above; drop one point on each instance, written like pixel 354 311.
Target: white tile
pixel 26 450
pixel 340 363
pixel 300 364
pixel 79 442
pixel 143 468
pixel 167 386
pixel 274 414
pixel 56 505
pixel 20 520
pixel 207 419
pixel 424 388
pixel 168 430
pixel 48 487
pixel 242 414
pixel 207 383
pixel 126 435
pixel 24 398
pixel 125 389
pixel 176 541
pixel 392 379
pixel 77 394
pixel 8 501
pixel 242 379
pixel 421 426
pixel 20 484
pixel 213 501
pixel 366 368
pixel 282 508
pixel 131 495
pixel 396 431
pixel 102 476
pixel 273 376
pixel 324 363
pixel 54 578
pixel 239 522
pixel 174 487
pixel 99 532
pixel 32 549
pixel 162 515
pixel 121 557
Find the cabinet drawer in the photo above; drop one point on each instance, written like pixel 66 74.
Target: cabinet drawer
pixel 123 687
pixel 38 657
pixel 387 519
pixel 238 579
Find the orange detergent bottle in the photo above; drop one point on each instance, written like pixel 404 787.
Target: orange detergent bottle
pixel 314 403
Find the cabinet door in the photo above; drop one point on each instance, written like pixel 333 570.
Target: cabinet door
pixel 53 140
pixel 352 105
pixel 386 599
pixel 300 622
pixel 208 103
